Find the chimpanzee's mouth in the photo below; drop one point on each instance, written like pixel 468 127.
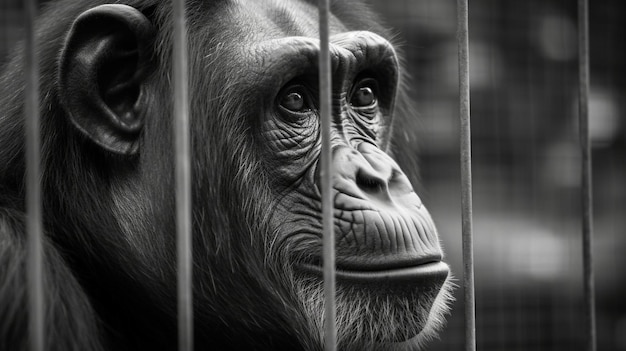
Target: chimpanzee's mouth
pixel 425 272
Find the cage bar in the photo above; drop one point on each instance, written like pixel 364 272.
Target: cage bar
pixel 34 225
pixel 586 187
pixel 330 330
pixel 183 177
pixel 466 175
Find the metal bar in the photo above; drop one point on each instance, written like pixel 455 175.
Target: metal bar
pixel 330 331
pixel 466 175
pixel 34 225
pixel 183 178
pixel 586 189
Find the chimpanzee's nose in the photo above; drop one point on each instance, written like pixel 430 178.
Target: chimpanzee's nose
pixel 377 177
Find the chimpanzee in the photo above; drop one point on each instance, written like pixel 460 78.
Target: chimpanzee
pixel 107 177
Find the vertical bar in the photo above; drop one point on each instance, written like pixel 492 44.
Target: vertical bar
pixel 466 175
pixel 33 185
pixel 587 220
pixel 330 332
pixel 183 178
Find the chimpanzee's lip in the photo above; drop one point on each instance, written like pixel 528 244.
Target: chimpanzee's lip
pixel 423 273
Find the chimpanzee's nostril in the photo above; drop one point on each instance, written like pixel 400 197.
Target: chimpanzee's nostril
pixel 369 182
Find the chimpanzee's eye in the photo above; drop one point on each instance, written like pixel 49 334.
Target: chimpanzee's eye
pixel 364 94
pixel 363 97
pixel 294 99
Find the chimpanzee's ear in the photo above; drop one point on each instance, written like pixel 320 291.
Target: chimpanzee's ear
pixel 103 65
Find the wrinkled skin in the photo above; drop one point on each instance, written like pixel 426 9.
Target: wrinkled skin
pixel 108 180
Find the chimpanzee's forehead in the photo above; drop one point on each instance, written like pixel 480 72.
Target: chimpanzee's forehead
pixel 271 19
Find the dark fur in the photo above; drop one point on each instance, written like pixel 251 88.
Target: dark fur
pixel 100 294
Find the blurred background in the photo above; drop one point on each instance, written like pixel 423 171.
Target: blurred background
pixel 526 161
